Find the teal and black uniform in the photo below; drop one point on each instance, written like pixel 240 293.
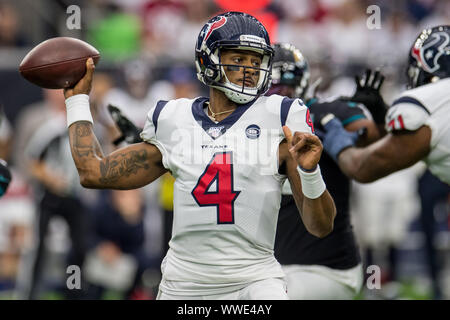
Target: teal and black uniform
pixel 293 243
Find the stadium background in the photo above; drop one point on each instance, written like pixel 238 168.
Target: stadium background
pixel 147 49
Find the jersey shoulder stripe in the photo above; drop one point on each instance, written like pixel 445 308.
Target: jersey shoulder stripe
pixel 406 99
pixel 285 106
pixel 159 106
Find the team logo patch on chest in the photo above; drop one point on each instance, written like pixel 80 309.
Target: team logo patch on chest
pixel 253 131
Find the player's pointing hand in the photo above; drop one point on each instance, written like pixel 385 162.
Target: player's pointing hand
pixel 305 148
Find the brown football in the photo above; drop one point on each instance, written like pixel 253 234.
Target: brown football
pixel 57 63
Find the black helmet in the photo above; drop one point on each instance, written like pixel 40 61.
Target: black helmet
pixel 290 68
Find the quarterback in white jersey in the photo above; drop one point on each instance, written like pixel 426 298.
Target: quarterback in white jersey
pixel 418 123
pixel 227 187
pixel 224 153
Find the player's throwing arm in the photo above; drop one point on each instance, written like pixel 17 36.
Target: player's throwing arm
pixel 127 168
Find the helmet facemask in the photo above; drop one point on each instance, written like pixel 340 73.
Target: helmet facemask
pixel 412 74
pixel 417 76
pixel 241 94
pixel 233 31
pixel 215 75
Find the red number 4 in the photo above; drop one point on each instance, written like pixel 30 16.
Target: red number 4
pixel 219 170
pixel 309 121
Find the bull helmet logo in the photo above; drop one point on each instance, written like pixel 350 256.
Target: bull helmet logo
pixel 213 26
pixel 429 54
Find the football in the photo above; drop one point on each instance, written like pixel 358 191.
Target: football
pixel 57 63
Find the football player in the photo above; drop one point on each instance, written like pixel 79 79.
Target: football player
pixel 224 152
pixel 328 268
pixel 417 123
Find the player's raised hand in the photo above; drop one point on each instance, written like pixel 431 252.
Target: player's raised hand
pixel 368 93
pixel 305 148
pixel 85 84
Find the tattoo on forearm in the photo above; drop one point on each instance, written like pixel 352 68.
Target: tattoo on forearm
pixel 123 165
pixel 112 168
pixel 81 148
pixel 82 129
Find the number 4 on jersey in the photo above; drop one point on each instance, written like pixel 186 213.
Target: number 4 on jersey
pixel 309 121
pixel 219 170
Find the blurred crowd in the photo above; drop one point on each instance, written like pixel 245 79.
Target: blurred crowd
pixel 118 238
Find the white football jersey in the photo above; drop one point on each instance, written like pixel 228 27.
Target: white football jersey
pixel 227 190
pixel 427 105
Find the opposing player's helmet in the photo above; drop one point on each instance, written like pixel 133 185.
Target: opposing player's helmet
pixel 429 56
pixel 232 30
pixel 289 68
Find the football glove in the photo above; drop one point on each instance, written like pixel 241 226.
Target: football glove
pixel 368 93
pixel 130 133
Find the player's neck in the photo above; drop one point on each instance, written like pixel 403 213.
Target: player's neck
pixel 220 106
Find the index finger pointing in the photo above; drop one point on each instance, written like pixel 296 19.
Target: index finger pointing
pixel 288 134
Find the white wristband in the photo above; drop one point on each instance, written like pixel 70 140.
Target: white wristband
pixel 312 183
pixel 78 109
